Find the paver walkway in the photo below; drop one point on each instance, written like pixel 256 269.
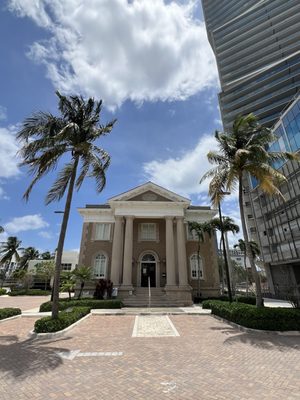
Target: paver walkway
pixel 208 360
pixel 23 302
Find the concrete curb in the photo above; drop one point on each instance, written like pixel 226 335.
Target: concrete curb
pixel 51 335
pixel 250 330
pixel 128 312
pixel 10 318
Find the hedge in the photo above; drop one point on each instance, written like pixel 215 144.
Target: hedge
pixel 9 312
pixel 2 292
pixel 65 319
pixel 91 303
pixel 239 299
pixel 269 319
pixel 29 292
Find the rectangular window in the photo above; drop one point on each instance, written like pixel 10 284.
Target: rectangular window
pixel 148 231
pixel 66 267
pixel 196 267
pixel 102 231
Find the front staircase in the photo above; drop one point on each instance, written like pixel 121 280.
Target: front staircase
pixel 159 298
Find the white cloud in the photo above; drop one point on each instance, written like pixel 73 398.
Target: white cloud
pixel 3 113
pixel 119 49
pixel 26 223
pixel 182 174
pixel 3 195
pixel 46 234
pixel 8 149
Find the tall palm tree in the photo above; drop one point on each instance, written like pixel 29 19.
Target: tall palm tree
pixel 243 152
pixel 29 253
pixel 254 250
pixel 9 250
pixel 200 229
pixel 46 139
pixel 225 226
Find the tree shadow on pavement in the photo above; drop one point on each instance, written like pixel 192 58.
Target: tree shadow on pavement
pixel 262 340
pixel 22 359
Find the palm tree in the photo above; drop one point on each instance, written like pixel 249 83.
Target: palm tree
pixel 47 138
pixel 200 229
pixel 68 282
pixel 47 256
pixel 224 226
pixel 255 253
pixel 82 274
pixel 242 152
pixel 8 251
pixel 29 253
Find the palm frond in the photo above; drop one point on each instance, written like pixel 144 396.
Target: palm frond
pixel 60 185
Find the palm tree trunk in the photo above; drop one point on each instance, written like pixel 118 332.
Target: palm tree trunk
pixel 259 299
pixel 198 259
pixel 60 246
pixel 81 290
pixel 247 281
pixel 222 269
pixel 225 255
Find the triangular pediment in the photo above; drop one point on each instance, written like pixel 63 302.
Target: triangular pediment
pixel 150 192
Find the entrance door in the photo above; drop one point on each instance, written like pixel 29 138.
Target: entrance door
pixel 148 270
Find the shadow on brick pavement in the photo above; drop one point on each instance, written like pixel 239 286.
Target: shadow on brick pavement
pixel 261 340
pixel 23 359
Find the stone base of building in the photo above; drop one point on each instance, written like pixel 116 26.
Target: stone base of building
pixel 170 296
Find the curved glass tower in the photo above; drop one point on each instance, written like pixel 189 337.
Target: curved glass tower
pixel 257 47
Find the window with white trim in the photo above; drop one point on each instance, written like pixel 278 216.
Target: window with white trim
pixel 102 231
pixel 100 266
pixel 191 234
pixel 195 268
pixel 148 231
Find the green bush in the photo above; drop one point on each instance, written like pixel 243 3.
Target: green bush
pixel 91 303
pixel 29 292
pixel 2 291
pixel 269 319
pixel 65 319
pixel 239 299
pixel 9 312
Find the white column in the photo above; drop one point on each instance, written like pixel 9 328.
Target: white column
pixel 181 252
pixel 170 252
pixel 128 248
pixel 116 258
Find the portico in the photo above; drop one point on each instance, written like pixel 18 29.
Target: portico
pixel 144 234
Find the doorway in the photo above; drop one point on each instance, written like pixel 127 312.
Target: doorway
pixel 148 270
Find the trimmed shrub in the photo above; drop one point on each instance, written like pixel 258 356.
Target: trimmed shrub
pixel 91 303
pixel 9 312
pixel 29 292
pixel 65 319
pixel 269 319
pixel 239 299
pixel 2 292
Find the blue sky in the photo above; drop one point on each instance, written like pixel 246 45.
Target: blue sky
pixel 151 64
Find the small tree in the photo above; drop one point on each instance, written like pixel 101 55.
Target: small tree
pixel 46 270
pixel 200 230
pixel 68 282
pixel 23 277
pixel 82 274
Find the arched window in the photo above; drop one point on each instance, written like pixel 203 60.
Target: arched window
pixel 100 266
pixel 148 257
pixel 195 268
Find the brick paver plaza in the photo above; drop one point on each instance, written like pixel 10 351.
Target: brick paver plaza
pixel 100 359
